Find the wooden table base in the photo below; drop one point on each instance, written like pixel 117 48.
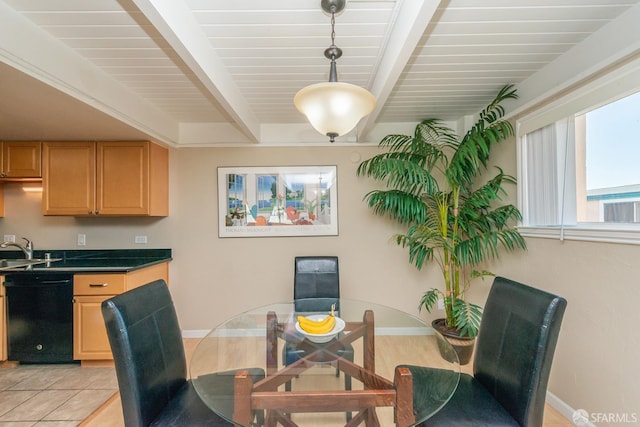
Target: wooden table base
pixel 378 391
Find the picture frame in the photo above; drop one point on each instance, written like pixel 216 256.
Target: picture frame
pixel 277 201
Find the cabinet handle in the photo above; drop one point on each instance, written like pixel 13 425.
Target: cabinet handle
pixel 98 285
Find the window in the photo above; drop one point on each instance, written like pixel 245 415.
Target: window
pixel 620 212
pixel 579 174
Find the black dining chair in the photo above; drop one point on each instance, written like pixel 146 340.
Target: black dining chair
pixel 514 350
pixel 150 362
pixel 316 286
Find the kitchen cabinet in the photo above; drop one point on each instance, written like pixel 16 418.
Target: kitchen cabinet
pixel 90 341
pixel 21 160
pixel 105 179
pixel 1 200
pixel 3 323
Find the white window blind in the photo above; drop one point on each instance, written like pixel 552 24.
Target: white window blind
pixel 550 175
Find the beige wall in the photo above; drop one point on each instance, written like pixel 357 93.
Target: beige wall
pixel 596 359
pixel 220 277
pixel 212 278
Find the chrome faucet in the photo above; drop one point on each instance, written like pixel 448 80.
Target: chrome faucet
pixel 27 249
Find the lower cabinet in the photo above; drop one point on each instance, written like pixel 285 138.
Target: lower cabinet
pixel 90 340
pixel 3 323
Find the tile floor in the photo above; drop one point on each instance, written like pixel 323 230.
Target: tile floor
pixel 53 395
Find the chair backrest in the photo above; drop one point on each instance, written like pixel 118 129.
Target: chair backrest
pixel 316 279
pixel 515 347
pixel 147 348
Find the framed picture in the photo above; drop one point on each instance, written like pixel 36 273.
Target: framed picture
pixel 277 201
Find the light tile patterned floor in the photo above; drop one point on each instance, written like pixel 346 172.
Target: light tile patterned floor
pixel 53 395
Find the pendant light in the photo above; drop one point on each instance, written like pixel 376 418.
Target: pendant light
pixel 334 108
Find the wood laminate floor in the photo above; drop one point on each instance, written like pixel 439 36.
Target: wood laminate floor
pixel 110 414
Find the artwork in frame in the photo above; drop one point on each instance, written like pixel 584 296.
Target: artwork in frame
pixel 274 201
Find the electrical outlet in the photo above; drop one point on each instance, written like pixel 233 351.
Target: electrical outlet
pixel 141 239
pixel 82 239
pixel 9 238
pixel 440 304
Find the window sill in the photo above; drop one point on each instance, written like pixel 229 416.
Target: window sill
pixel 597 233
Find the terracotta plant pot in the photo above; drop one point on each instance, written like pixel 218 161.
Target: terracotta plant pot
pixel 463 346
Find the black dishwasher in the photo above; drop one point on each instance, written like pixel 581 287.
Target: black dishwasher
pixel 39 317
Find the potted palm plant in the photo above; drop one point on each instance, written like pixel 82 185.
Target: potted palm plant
pixel 436 187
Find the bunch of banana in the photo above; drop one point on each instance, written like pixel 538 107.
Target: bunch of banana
pixel 318 326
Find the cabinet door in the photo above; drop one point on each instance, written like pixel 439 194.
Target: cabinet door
pixel 1 200
pixel 21 159
pixel 3 323
pixel 3 331
pixel 3 328
pixel 68 180
pixel 90 341
pixel 122 180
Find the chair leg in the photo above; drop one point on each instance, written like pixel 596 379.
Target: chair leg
pixel 259 418
pixel 347 386
pixel 287 386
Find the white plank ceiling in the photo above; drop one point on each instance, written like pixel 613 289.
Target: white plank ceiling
pixel 210 72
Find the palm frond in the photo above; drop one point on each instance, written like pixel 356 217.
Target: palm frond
pixel 403 207
pixel 399 172
pixel 482 247
pixel 422 242
pixel 474 149
pixel 429 299
pixel 434 132
pixel 467 317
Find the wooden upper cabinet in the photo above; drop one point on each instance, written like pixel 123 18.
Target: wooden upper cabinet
pixel 1 201
pixel 69 175
pixel 105 179
pixel 122 179
pixel 21 159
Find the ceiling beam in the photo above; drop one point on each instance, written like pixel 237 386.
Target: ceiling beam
pixel 614 44
pixel 176 23
pixel 412 19
pixel 29 49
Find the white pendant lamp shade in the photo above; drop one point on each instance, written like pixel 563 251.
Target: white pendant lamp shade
pixel 334 108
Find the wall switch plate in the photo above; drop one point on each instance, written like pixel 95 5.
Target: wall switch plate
pixel 141 239
pixel 82 239
pixel 9 238
pixel 440 304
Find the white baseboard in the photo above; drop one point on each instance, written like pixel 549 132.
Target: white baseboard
pixel 201 333
pixel 195 333
pixel 565 410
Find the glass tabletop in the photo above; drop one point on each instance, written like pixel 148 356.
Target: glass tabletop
pixel 385 366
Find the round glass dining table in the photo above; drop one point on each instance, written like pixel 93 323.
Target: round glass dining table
pixel 385 367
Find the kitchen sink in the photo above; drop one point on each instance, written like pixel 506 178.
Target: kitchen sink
pixel 6 264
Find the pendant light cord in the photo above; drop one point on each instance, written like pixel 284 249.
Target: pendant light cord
pixel 333 52
pixel 333 29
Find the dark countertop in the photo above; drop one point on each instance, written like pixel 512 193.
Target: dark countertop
pixel 105 260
